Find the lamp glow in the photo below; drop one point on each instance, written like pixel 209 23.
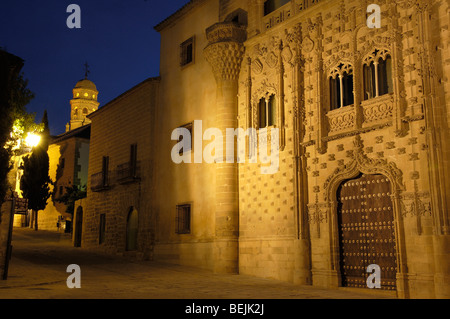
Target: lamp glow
pixel 32 139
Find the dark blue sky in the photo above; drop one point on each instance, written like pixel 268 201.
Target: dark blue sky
pixel 116 38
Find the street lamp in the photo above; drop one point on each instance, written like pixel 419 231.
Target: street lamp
pixel 32 139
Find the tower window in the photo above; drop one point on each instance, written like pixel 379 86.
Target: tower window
pixel 85 111
pixel 183 222
pixel 187 52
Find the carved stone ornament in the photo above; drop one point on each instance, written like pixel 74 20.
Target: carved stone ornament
pixel 225 50
pixel 308 44
pixel 287 54
pixel 271 60
pixel 317 214
pixel 361 163
pixel 257 66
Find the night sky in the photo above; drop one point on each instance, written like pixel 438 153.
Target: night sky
pixel 116 38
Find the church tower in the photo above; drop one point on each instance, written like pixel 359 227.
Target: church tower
pixel 84 102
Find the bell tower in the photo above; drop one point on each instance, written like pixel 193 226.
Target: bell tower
pixel 84 102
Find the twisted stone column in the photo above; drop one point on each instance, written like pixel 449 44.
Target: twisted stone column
pixel 225 52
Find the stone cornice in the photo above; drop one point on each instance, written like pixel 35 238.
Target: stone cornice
pixel 177 15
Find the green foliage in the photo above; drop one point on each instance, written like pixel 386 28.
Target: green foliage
pixel 71 195
pixel 18 97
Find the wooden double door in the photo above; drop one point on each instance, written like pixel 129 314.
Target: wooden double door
pixel 366 231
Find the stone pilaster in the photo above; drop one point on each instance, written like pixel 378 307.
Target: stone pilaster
pixel 225 52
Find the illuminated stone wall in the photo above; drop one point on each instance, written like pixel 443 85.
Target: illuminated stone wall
pixel 284 225
pixel 126 120
pixel 293 57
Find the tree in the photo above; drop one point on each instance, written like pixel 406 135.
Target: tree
pixel 14 96
pixel 35 181
pixel 71 195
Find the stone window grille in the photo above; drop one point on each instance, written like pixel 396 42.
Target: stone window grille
pixel 187 52
pixel 183 219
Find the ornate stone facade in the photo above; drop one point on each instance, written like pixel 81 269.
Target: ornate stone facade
pixel 297 51
pixel 348 100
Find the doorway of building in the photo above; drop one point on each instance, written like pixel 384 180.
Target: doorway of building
pixel 132 229
pixel 78 226
pixel 366 230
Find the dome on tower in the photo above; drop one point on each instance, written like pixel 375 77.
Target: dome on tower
pixel 86 84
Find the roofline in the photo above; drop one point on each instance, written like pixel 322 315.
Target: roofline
pixel 152 79
pixel 177 14
pixel 71 133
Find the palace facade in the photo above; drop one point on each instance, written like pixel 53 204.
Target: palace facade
pixel 364 161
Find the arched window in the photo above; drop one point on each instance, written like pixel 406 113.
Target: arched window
pixel 377 74
pixel 267 111
pixel 341 86
pixel 85 111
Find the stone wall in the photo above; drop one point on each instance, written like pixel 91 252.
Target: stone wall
pixel 187 93
pixel 285 224
pixel 293 59
pixel 127 120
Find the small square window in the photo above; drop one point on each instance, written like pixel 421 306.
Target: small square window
pixel 187 52
pixel 183 220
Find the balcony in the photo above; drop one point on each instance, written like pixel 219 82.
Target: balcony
pixel 378 110
pixel 128 172
pixel 341 119
pixel 100 181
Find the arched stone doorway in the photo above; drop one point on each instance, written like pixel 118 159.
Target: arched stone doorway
pixel 393 177
pixel 132 229
pixel 366 230
pixel 78 227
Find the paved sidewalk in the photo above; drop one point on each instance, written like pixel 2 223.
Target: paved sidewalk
pixel 40 259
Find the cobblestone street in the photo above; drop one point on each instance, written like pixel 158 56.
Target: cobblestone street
pixel 40 259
